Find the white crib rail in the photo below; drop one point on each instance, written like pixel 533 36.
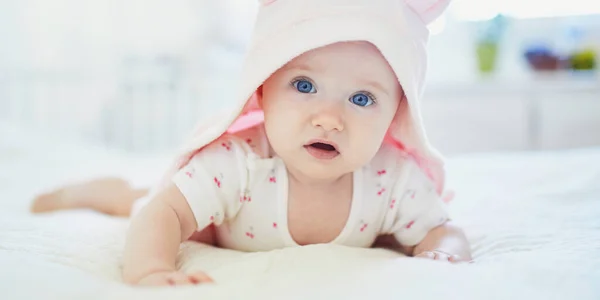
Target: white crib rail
pixel 137 108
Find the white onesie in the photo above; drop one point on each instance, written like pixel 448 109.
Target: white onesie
pixel 233 184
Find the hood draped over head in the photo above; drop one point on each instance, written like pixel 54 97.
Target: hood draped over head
pixel 285 29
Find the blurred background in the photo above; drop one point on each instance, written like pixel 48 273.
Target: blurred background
pixel 136 75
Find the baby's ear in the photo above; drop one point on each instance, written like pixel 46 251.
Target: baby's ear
pixel 428 10
pixel 259 96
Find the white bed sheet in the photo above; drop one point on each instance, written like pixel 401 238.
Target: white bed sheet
pixel 532 218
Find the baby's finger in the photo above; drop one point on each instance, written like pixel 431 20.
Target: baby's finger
pixel 455 259
pixel 442 256
pixel 199 277
pixel 426 254
pixel 178 279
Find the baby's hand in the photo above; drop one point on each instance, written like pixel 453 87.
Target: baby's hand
pixel 441 256
pixel 175 278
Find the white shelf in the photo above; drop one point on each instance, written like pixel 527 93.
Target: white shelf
pixel 546 112
pixel 555 82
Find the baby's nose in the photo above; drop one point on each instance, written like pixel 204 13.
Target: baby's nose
pixel 329 119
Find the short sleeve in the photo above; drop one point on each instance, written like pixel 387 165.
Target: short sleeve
pixel 214 181
pixel 418 207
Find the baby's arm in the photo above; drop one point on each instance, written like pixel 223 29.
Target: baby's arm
pixel 421 222
pixel 205 191
pixel 445 242
pixel 153 240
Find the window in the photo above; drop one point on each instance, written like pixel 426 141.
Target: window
pixel 475 10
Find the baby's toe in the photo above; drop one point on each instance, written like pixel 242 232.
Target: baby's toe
pixel 200 277
pixel 178 279
pixel 47 202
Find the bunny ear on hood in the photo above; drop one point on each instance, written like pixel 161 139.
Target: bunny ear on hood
pixel 284 29
pixel 428 10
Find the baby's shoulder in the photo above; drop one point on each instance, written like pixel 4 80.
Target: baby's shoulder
pixel 234 153
pixel 401 169
pixel 392 163
pixel 252 140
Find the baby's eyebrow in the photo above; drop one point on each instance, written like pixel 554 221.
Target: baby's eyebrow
pixel 301 67
pixel 375 85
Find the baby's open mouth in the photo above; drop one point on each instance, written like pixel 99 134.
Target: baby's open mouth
pixel 323 146
pixel 322 150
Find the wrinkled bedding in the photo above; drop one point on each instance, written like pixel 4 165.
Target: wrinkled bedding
pixel 532 218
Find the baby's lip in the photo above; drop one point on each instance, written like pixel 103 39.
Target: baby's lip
pixel 323 141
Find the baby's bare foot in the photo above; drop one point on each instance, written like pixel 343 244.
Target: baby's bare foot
pixel 112 196
pixel 48 202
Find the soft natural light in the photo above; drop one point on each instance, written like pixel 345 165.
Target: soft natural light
pixel 476 10
pixel 437 26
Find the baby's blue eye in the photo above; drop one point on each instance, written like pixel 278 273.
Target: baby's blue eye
pixel 361 99
pixel 304 86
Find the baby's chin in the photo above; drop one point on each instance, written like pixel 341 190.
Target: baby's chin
pixel 325 170
pixel 321 172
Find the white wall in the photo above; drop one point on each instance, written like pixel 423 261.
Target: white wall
pixel 132 73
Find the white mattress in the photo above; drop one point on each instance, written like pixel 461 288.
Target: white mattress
pixel 533 220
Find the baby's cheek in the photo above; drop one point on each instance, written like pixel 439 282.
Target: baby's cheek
pixel 282 125
pixel 363 149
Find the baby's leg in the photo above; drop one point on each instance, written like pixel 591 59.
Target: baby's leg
pixel 111 196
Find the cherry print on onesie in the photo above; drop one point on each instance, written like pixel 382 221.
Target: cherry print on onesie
pixel 380 190
pixel 218 180
pixel 190 172
pixel 392 203
pixel 272 178
pixel 410 194
pixel 245 196
pixel 226 145
pixel 363 225
pixel 250 233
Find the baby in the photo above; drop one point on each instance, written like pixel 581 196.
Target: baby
pixel 324 145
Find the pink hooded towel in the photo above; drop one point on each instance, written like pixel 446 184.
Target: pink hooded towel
pixel 285 29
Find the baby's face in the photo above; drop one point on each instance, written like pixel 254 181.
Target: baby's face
pixel 328 110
